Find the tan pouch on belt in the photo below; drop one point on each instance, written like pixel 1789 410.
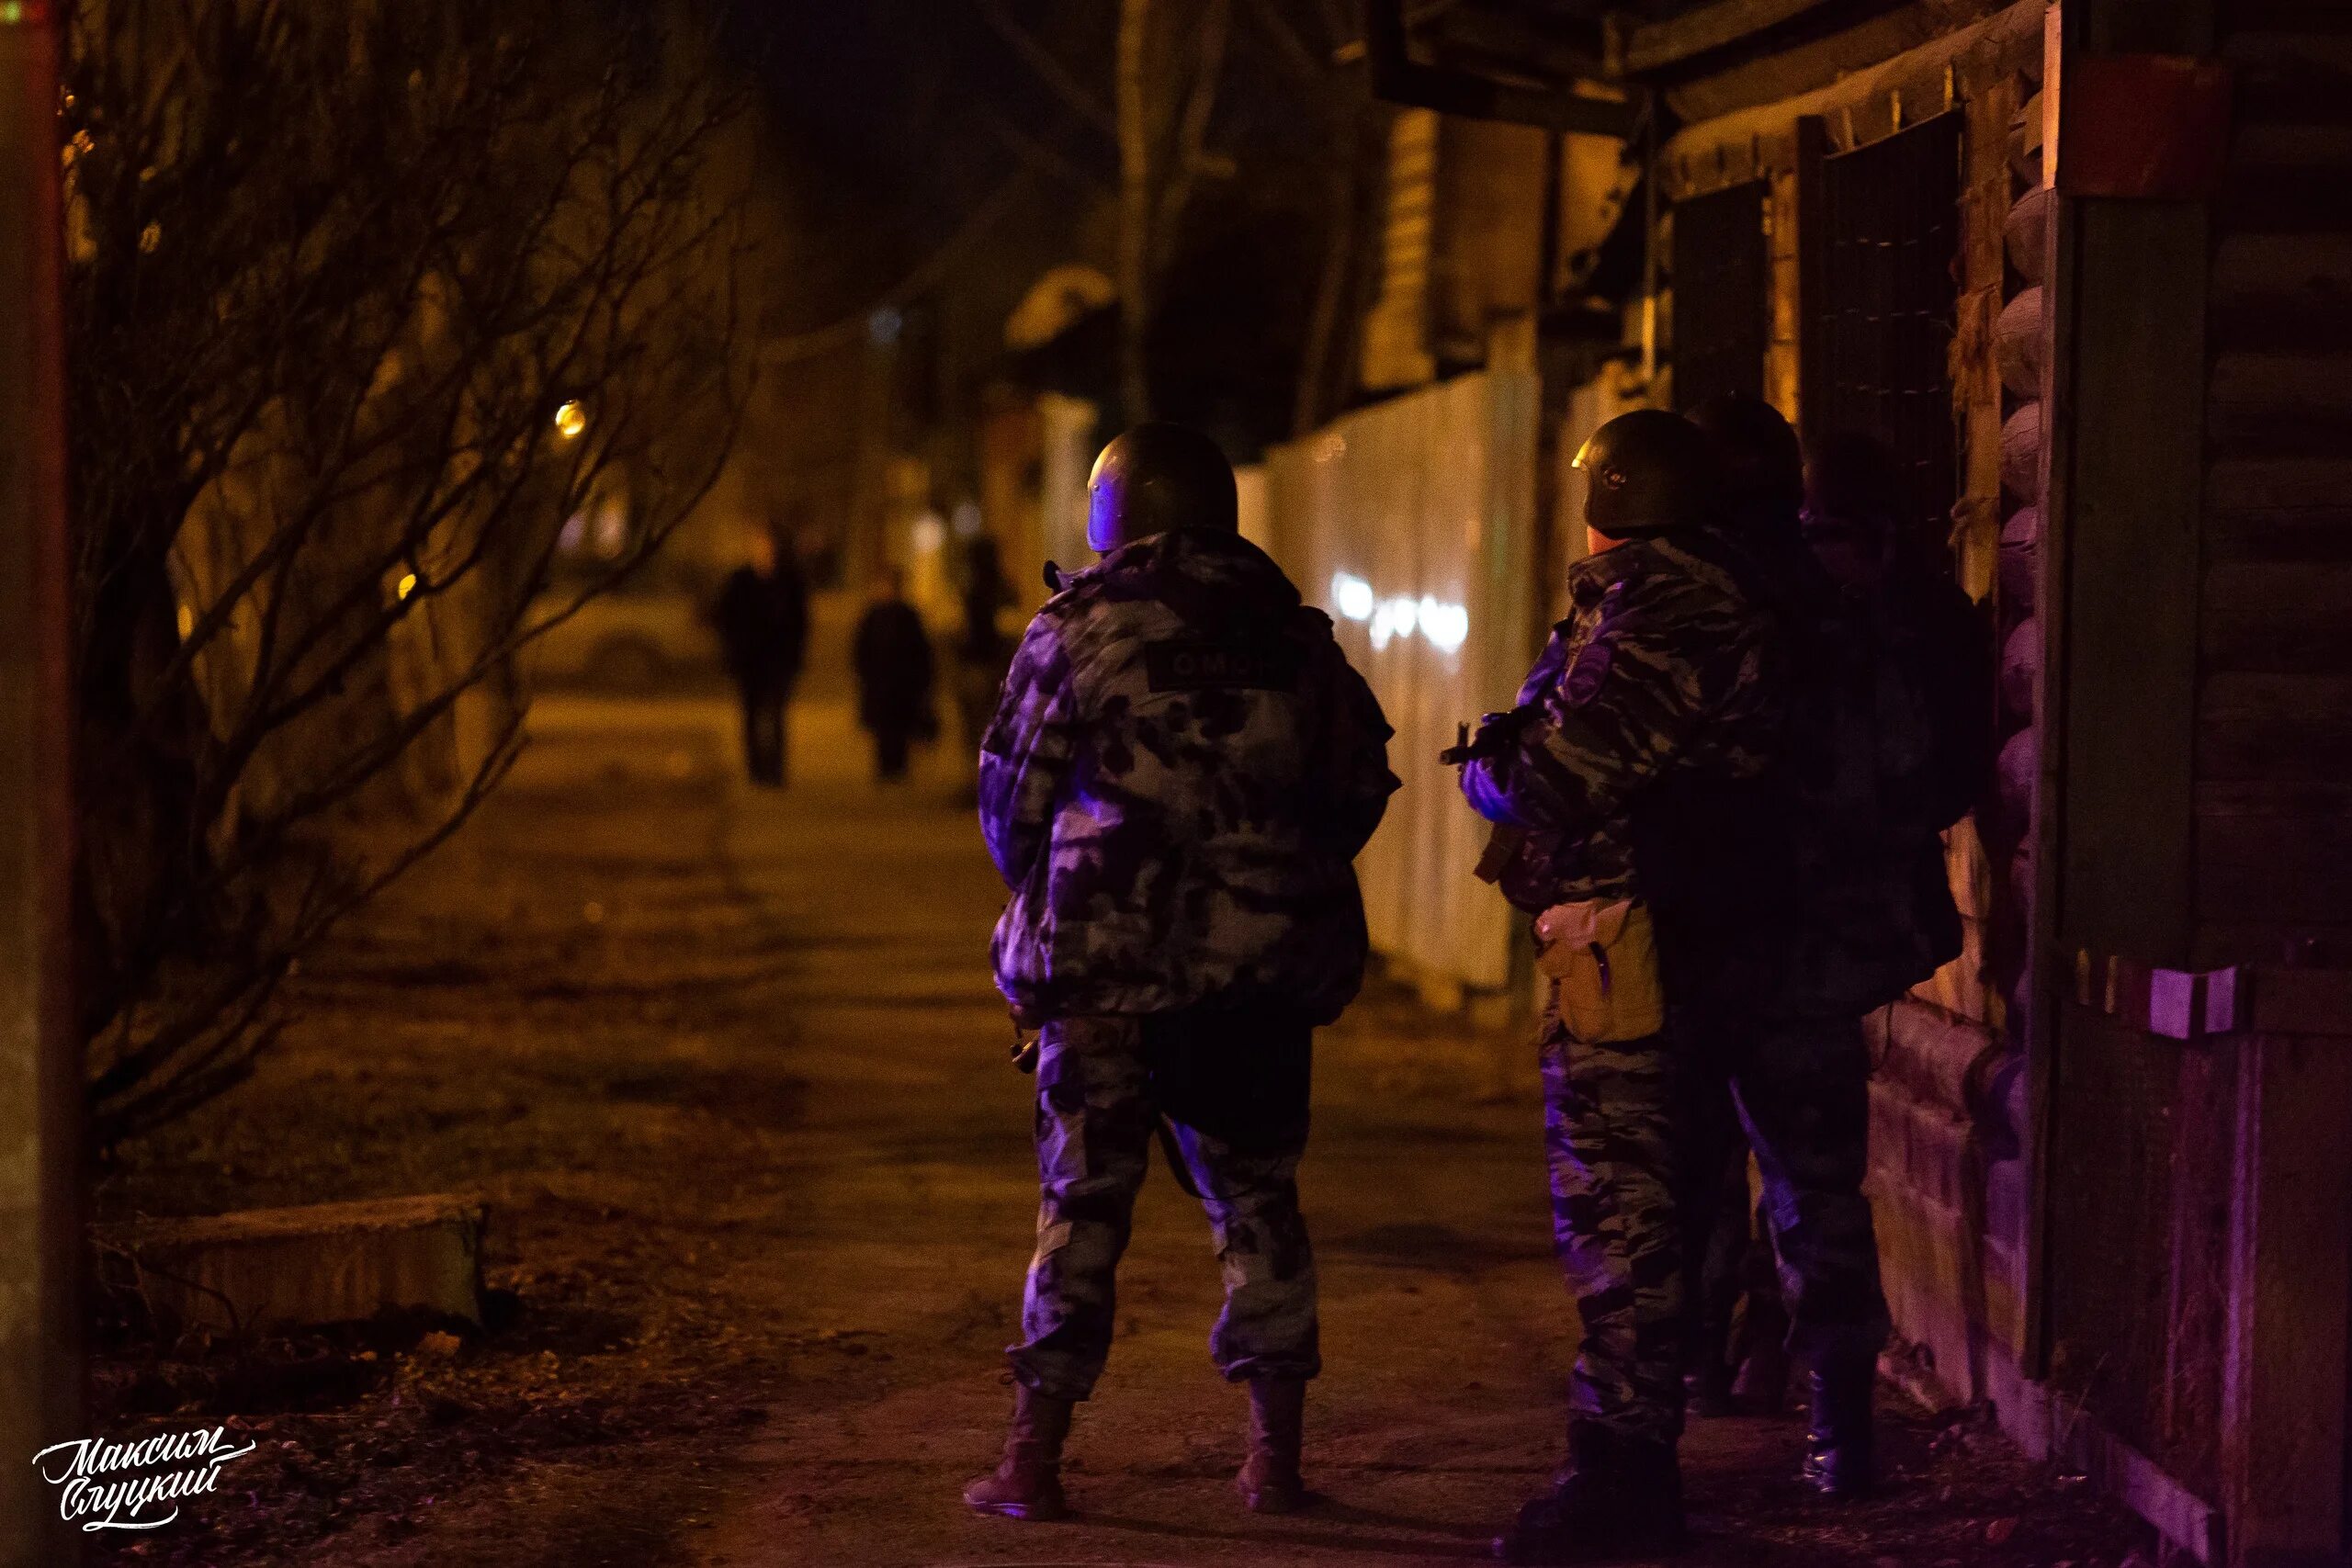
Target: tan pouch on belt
pixel 1602 959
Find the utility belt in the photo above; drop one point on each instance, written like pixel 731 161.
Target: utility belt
pixel 1600 955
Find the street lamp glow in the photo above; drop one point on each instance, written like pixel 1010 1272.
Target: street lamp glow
pixel 1352 597
pixel 571 421
pixel 406 586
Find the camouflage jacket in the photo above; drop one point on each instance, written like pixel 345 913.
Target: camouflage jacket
pixel 1816 888
pixel 1667 666
pixel 1181 771
pixel 1851 902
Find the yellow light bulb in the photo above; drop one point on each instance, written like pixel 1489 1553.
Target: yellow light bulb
pixel 571 421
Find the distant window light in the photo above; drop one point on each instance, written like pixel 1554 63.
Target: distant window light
pixel 929 534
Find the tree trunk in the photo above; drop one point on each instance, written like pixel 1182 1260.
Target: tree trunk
pixel 1332 287
pixel 1135 207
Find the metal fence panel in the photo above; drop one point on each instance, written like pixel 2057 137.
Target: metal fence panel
pixel 1412 523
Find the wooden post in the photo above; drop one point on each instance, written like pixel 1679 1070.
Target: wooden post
pixel 2046 962
pixel 41 1080
pixel 2129 413
pixel 1813 271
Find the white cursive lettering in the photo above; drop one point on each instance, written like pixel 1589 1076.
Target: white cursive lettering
pixel 95 1491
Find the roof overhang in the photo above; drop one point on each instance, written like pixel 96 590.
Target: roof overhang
pixel 1639 49
pixel 1577 65
pixel 1528 62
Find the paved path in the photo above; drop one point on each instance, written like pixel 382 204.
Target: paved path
pixel 1443 1321
pixel 1445 1327
pixel 728 1069
pixel 892 1251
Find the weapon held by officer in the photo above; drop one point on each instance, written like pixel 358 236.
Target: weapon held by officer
pixel 1498 732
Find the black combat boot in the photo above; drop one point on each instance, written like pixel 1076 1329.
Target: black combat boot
pixel 1617 1497
pixel 1839 1461
pixel 1707 1391
pixel 1762 1386
pixel 1269 1482
pixel 1027 1483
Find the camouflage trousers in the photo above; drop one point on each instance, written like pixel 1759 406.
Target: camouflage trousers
pixel 1097 1121
pixel 1635 1156
pixel 1799 1093
pixel 1614 1116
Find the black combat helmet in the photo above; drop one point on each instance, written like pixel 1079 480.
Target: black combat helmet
pixel 1154 477
pixel 1763 467
pixel 1854 476
pixel 1648 472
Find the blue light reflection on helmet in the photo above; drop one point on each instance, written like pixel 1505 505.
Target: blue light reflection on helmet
pixel 1102 516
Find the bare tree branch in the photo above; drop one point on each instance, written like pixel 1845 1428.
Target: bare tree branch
pixel 333 270
pixel 776 352
pixel 1190 151
pixel 1049 70
pixel 1134 204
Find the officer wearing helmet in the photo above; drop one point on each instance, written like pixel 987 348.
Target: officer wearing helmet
pixel 1793 903
pixel 1180 772
pixel 1666 670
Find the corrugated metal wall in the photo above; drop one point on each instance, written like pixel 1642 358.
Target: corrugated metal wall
pixel 1412 524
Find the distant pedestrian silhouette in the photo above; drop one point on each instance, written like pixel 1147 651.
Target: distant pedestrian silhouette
pixel 983 652
pixel 894 676
pixel 763 633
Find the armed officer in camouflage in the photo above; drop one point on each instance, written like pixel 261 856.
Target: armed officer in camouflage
pixel 1667 668
pixel 1791 903
pixel 1177 778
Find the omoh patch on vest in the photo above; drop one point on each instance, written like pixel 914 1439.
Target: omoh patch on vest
pixel 1587 673
pixel 1194 664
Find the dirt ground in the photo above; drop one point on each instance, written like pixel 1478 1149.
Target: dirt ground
pixel 729 1072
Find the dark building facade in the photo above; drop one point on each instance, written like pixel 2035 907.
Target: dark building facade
pixel 2089 269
